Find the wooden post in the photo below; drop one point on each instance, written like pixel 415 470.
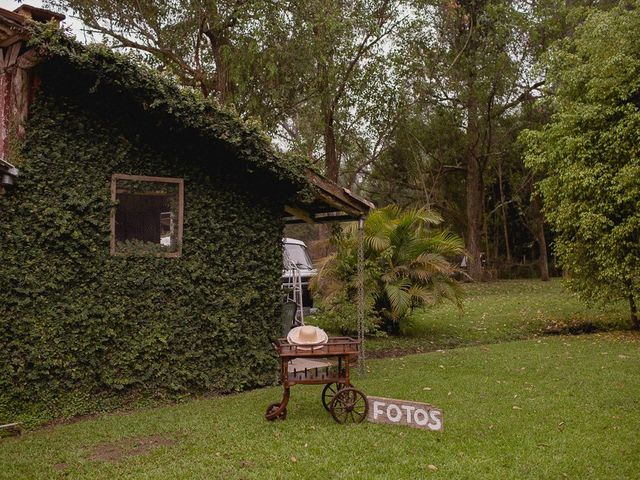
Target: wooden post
pixel 16 89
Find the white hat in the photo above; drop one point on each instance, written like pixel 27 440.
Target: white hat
pixel 307 335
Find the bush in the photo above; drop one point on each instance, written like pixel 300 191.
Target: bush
pixel 405 266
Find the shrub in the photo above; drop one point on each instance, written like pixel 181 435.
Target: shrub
pixel 405 265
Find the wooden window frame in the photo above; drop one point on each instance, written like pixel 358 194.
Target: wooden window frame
pixel 144 178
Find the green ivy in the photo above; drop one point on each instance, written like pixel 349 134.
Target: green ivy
pixel 166 103
pixel 82 330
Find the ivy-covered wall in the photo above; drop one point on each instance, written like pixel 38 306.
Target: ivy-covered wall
pixel 81 330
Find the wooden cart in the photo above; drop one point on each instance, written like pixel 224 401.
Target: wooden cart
pixel 327 364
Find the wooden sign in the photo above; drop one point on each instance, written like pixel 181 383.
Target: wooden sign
pixel 403 412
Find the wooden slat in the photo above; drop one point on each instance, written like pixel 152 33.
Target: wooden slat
pixel 12 54
pixel 299 213
pixel 145 178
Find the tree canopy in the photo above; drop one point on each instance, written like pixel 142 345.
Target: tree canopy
pixel 411 102
pixel 589 154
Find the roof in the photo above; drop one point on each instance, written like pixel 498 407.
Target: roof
pixel 332 203
pixel 13 25
pixel 313 196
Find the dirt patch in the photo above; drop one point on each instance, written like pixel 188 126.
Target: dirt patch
pixel 128 447
pixel 576 327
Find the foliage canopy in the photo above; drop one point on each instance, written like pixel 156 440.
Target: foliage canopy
pixel 590 155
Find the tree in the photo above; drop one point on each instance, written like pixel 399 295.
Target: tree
pixel 307 69
pixel 472 57
pixel 343 108
pixel 198 42
pixel 590 155
pixel 407 264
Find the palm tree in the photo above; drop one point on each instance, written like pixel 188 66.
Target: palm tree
pixel 406 264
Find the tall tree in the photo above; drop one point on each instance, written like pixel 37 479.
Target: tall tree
pixel 307 69
pixel 472 57
pixel 344 45
pixel 590 155
pixel 198 42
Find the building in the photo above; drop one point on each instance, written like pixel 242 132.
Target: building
pixel 140 230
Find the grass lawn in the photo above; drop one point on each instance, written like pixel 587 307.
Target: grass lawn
pixel 502 311
pixel 552 407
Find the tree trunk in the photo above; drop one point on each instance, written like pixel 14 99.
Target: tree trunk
pixel 221 77
pixel 540 238
pixel 332 163
pixel 505 227
pixel 475 187
pixel 543 260
pixel 474 217
pixel 634 312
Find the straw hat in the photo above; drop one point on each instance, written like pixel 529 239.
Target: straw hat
pixel 307 335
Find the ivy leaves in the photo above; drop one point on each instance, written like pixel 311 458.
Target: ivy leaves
pixel 82 330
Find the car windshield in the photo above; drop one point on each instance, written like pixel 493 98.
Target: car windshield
pixel 298 255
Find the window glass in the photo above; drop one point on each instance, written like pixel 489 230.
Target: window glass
pixel 298 255
pixel 148 215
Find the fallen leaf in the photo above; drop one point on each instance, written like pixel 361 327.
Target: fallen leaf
pixel 433 468
pixel 293 459
pixel 515 407
pixel 426 388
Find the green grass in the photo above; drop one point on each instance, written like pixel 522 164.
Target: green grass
pixel 502 311
pixel 553 407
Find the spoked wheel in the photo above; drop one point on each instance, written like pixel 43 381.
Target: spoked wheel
pixel 328 392
pixel 349 405
pixel 271 409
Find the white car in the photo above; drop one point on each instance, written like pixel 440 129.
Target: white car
pixel 298 254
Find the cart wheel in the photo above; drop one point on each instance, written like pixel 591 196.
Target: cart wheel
pixel 349 405
pixel 271 409
pixel 328 392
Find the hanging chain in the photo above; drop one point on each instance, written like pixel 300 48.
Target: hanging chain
pixel 361 305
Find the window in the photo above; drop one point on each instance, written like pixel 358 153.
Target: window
pixel 147 218
pixel 298 255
